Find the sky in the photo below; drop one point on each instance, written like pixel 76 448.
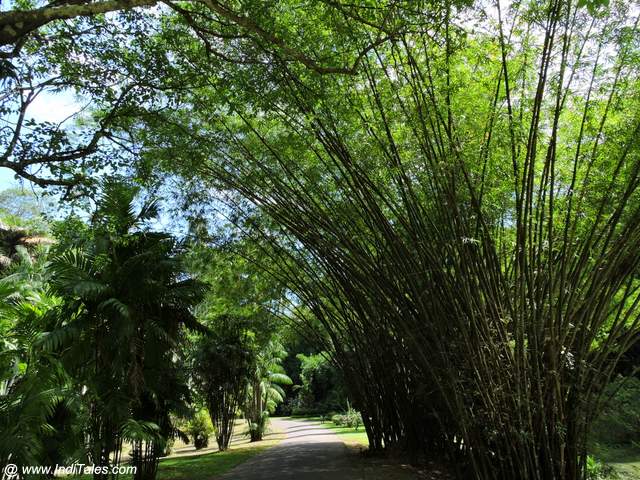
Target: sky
pixel 48 107
pixel 59 107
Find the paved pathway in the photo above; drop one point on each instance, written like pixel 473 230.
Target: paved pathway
pixel 311 452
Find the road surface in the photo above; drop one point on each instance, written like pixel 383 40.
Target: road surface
pixel 311 452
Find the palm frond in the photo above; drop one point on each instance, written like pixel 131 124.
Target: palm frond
pixel 149 210
pixel 114 305
pixel 280 378
pixel 138 430
pixel 275 395
pixel 56 339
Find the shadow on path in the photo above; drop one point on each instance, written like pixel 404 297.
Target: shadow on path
pixel 310 452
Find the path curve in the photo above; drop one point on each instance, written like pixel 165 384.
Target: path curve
pixel 310 452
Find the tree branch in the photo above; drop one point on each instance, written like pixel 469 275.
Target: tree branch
pixel 292 53
pixel 16 24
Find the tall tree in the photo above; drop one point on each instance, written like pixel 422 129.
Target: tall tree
pixel 264 391
pixel 222 363
pixel 126 301
pixel 464 212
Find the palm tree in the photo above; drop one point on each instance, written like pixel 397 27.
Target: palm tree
pixel 222 362
pixel 35 393
pixel 264 391
pixel 126 301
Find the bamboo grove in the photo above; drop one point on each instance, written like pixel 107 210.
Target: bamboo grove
pixel 457 219
pixel 462 217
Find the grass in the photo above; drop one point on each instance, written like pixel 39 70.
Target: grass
pixel 205 466
pixel 202 467
pixel 348 435
pixel 623 460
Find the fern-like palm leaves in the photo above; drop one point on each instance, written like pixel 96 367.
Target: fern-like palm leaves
pixel 102 329
pixel 264 391
pixel 126 301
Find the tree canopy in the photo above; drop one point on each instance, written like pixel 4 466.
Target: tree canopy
pixel 442 196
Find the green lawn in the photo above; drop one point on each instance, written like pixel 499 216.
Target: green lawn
pixel 348 435
pixel 207 466
pixel 624 461
pixel 200 467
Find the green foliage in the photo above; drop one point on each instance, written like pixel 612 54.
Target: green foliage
pixel 351 418
pixel 236 286
pixel 239 364
pixel 456 218
pixel 598 471
pixel 136 431
pixel 72 232
pixel 593 5
pixel 462 216
pixel 122 322
pixel 91 352
pixel 41 414
pixel 619 421
pixel 200 429
pixel 222 362
pixel 322 387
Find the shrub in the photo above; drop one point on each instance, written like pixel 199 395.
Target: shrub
pixel 200 428
pixel 338 419
pixel 599 471
pixel 351 418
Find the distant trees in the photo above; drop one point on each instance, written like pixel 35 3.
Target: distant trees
pixel 222 363
pixel 237 368
pixel 264 391
pixel 322 387
pixel 234 372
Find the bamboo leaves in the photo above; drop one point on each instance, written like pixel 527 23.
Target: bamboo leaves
pixel 478 240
